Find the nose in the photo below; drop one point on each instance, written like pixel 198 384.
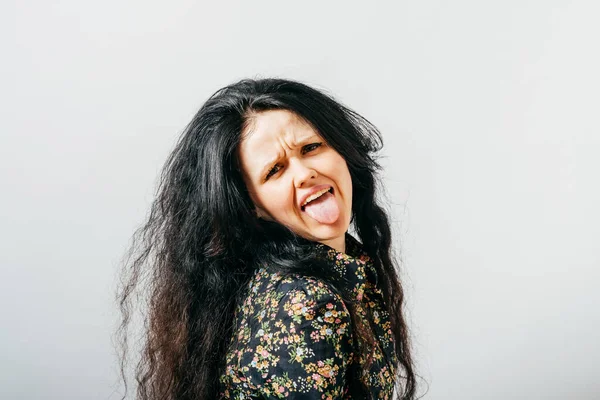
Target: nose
pixel 303 173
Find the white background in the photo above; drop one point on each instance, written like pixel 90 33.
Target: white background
pixel 490 115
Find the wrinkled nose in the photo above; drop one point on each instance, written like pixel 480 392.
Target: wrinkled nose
pixel 303 173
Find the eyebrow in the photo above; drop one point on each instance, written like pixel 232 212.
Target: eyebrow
pixel 267 167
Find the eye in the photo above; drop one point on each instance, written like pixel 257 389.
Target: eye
pixel 311 147
pixel 306 149
pixel 273 171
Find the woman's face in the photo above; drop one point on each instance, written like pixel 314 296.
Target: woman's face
pixel 295 178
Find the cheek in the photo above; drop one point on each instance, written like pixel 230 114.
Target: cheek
pixel 342 173
pixel 277 201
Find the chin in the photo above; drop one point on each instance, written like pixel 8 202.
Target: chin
pixel 328 232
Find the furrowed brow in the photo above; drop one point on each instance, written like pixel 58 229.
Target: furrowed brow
pixel 303 141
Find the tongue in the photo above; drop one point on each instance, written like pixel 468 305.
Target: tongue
pixel 324 209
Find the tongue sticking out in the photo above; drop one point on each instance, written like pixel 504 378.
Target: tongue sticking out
pixel 324 209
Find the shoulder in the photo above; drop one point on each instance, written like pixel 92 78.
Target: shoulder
pixel 291 332
pixel 272 293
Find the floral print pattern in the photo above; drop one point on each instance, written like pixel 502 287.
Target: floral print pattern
pixel 293 336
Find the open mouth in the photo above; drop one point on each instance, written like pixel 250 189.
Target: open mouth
pixel 328 191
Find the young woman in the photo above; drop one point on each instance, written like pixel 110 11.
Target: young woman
pixel 255 287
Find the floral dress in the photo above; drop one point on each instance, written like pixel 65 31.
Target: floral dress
pixel 293 336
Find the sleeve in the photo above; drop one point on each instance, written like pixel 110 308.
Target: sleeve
pixel 300 346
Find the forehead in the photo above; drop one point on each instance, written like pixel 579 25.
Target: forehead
pixel 276 126
pixel 269 135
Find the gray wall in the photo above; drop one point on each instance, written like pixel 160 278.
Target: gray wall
pixel 490 115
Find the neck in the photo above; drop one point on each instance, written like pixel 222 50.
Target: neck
pixel 339 243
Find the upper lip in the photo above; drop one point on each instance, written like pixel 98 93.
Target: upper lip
pixel 312 191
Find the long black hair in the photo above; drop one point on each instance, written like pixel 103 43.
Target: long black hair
pixel 202 240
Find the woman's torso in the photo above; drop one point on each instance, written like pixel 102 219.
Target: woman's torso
pixel 293 336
